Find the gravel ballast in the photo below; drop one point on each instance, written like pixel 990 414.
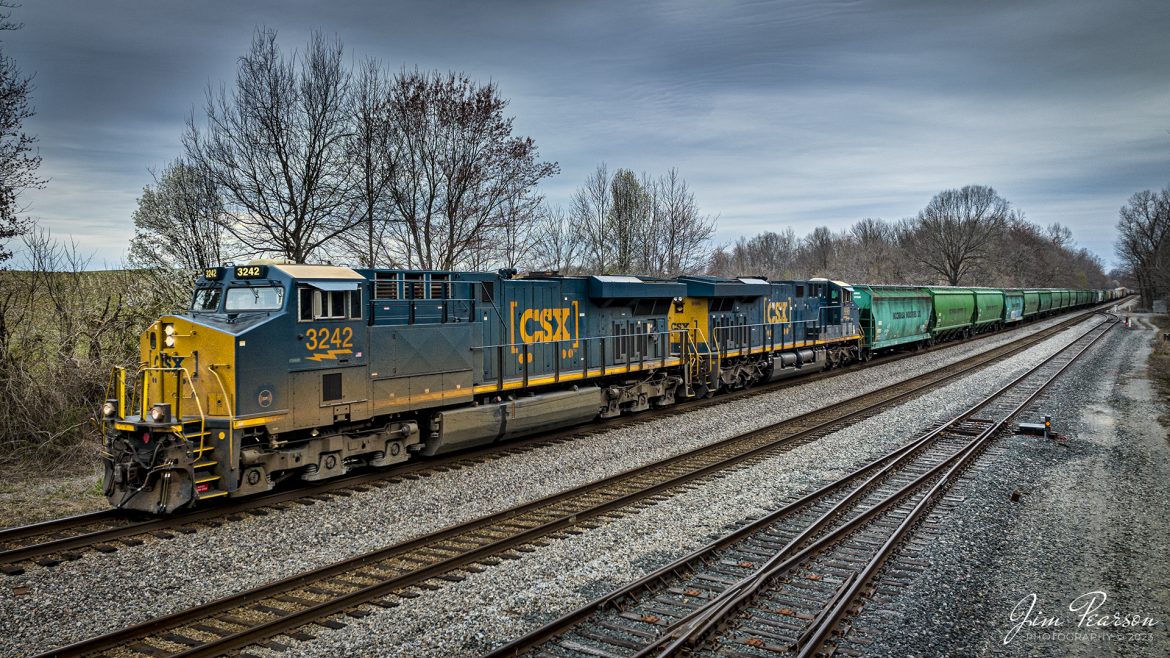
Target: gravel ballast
pixel 488 609
pixel 1091 518
pixel 99 593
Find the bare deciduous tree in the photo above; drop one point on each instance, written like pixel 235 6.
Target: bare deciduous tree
pixel 590 215
pixel 1143 243
pixel 19 159
pixel 683 232
pixel 769 254
pixel 555 244
pixel 516 235
pixel 458 174
pixel 276 146
pixel 878 252
pixel 871 253
pixel 956 230
pixel 179 222
pixel 628 221
pixel 640 225
pixel 818 251
pixel 366 151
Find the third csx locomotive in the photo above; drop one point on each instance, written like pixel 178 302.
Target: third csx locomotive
pixel 303 371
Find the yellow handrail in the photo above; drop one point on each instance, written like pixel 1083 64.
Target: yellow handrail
pixel 179 381
pixel 231 417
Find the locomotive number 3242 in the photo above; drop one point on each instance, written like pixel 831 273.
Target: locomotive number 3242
pixel 329 339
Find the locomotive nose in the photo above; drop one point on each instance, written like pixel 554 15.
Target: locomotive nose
pixel 161 436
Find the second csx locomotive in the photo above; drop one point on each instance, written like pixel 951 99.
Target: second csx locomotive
pixel 284 371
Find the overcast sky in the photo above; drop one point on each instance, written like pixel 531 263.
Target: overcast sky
pixel 777 113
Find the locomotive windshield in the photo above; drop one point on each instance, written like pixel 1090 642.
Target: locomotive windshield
pixel 254 298
pixel 206 299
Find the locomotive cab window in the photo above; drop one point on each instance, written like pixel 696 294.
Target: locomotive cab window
pixel 254 298
pixel 207 299
pixel 328 304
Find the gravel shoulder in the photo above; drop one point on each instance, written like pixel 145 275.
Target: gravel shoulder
pixel 155 578
pixel 1091 519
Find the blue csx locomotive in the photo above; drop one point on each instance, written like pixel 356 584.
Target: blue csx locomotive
pixel 304 371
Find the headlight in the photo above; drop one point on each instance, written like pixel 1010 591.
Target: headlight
pixel 160 412
pixel 169 341
pixel 169 329
pixel 109 409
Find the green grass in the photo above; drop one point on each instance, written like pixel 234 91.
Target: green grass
pixel 39 498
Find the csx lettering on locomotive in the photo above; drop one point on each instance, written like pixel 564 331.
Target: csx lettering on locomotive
pixel 776 312
pixel 545 325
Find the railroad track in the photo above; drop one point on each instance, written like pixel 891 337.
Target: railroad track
pixel 50 543
pixel 784 583
pixel 391 576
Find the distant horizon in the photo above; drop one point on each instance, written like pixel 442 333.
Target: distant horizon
pixel 779 115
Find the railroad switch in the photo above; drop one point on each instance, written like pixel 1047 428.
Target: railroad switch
pixel 1043 429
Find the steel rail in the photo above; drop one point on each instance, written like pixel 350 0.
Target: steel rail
pixel 885 464
pixel 66 546
pixel 917 385
pixel 696 627
pixel 819 633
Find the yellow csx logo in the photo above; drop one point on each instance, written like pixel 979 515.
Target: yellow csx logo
pixel 545 325
pixel 776 312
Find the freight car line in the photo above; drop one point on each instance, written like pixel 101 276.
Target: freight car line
pixel 64 539
pixel 780 584
pixel 387 576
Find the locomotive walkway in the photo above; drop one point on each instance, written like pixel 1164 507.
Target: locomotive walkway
pixel 784 584
pixel 390 576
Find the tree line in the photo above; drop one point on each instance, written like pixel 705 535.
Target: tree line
pixel 965 236
pixel 307 159
pixel 312 159
pixel 1143 244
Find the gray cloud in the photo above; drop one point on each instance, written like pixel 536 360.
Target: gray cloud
pixel 778 113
